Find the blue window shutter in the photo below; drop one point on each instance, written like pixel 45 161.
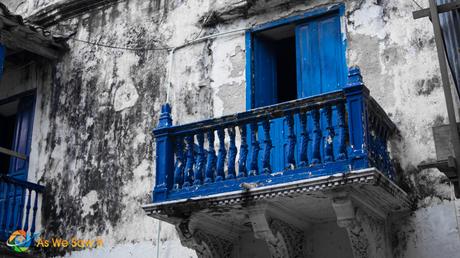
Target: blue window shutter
pixel 320 56
pixel 265 90
pixel 22 137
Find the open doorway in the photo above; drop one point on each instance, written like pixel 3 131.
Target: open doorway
pixel 7 121
pixel 275 65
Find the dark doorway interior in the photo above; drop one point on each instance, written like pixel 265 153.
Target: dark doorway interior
pixel 286 69
pixel 7 126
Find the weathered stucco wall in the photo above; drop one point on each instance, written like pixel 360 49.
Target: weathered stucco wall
pixel 92 145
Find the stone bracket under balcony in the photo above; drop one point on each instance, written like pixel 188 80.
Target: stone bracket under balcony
pixel 275 175
pixel 281 215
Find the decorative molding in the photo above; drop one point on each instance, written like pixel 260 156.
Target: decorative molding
pixel 367 234
pixel 205 245
pixel 390 197
pixel 63 10
pixel 283 240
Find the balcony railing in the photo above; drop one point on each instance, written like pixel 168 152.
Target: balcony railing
pixel 19 203
pixel 337 132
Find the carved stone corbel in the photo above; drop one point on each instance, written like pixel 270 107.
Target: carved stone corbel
pixel 205 245
pixel 283 240
pixel 367 233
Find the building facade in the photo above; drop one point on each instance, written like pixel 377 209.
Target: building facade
pixel 124 68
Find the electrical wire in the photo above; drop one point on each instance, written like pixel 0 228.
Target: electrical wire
pixel 121 47
pixel 419 6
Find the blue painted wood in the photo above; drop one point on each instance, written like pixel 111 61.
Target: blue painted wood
pixel 341 133
pixel 164 156
pixel 329 136
pixel 221 155
pixel 322 115
pixel 28 206
pixel 201 163
pixel 316 156
pixel 242 170
pixel 320 56
pixel 266 164
pixel 5 208
pixel 265 79
pixel 232 151
pixel 22 137
pixel 188 174
pixel 292 142
pixel 12 209
pixel 211 161
pixel 338 8
pixel 249 70
pixel 255 146
pixel 180 163
pixel 304 140
pixel 355 94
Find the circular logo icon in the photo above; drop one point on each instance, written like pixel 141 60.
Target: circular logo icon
pixel 19 241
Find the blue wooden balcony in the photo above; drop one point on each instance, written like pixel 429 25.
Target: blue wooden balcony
pixel 19 204
pixel 324 135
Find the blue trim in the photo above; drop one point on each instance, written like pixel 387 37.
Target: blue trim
pixel 315 12
pixel 249 81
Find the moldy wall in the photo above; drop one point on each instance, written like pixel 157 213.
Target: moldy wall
pixel 92 143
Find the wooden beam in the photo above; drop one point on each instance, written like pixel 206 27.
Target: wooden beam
pixel 13 153
pixel 11 40
pixel 445 83
pixel 441 9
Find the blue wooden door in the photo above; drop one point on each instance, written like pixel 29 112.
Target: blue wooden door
pixel 321 67
pixel 22 137
pixel 14 202
pixel 265 94
pixel 320 62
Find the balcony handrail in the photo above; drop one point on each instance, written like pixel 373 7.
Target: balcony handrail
pixel 256 114
pixel 374 106
pixel 338 131
pixel 22 183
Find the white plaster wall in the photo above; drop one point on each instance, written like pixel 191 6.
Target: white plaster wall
pixel 396 55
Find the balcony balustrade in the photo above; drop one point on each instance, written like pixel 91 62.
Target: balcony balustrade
pixel 332 133
pixel 19 204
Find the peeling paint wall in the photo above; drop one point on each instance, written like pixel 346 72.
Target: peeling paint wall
pixel 92 145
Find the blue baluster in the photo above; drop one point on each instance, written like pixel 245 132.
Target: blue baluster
pixel 291 142
pixel 26 221
pixel 188 174
pixel 201 163
pixel 266 166
pixel 34 216
pixel 316 159
pixel 329 137
pixel 5 207
pixel 242 171
pixel 232 151
pixel 164 177
pixel 254 166
pixel 20 208
pixel 358 131
pixel 180 163
pixel 341 133
pixel 211 162
pixel 305 140
pixel 221 156
pixel 10 223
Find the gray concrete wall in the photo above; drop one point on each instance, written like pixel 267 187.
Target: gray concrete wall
pixel 92 145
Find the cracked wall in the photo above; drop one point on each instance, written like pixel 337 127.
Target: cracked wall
pixel 92 144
